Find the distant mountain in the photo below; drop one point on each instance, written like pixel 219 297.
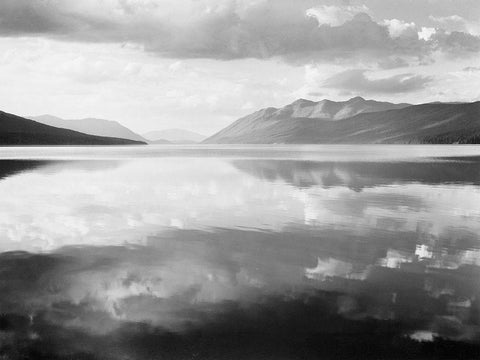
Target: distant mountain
pixel 15 130
pixel 160 142
pixel 98 127
pixel 176 136
pixel 303 123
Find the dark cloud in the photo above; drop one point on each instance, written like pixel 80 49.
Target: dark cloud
pixel 226 29
pixel 356 80
pixel 296 38
pixel 471 68
pixel 20 17
pixel 457 43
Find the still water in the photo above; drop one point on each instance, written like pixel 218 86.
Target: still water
pixel 248 252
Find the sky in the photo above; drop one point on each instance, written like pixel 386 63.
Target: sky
pixel 201 64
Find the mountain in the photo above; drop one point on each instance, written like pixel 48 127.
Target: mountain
pixel 301 109
pixel 332 110
pixel 15 130
pixel 98 127
pixel 176 136
pixel 427 123
pixel 160 142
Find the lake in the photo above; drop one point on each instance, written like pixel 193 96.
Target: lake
pixel 240 252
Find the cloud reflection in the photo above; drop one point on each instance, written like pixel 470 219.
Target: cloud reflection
pixel 99 203
pixel 238 285
pixel 283 260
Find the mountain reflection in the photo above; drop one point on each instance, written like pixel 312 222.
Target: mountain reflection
pixel 12 167
pixel 358 175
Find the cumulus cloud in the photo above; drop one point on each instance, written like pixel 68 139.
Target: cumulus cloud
pixel 456 23
pixel 357 80
pixel 225 29
pixel 397 27
pixel 335 15
pixel 456 43
pixel 426 33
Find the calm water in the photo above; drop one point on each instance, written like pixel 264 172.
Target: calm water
pixel 256 252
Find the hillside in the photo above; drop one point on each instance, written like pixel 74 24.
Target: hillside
pixel 427 123
pixel 175 136
pixel 91 126
pixel 15 130
pixel 333 110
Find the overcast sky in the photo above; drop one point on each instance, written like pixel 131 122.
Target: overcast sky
pixel 200 64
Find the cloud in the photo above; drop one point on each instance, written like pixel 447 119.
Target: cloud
pixel 447 19
pixel 456 43
pixel 29 17
pixel 471 68
pixel 356 80
pixel 393 62
pixel 335 15
pixel 457 23
pixel 397 27
pixel 226 29
pixel 426 33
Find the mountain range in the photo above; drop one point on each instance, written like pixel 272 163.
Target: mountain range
pixel 16 130
pixel 91 126
pixel 53 130
pixel 356 121
pixel 174 136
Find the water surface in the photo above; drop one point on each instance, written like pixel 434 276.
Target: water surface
pixel 247 252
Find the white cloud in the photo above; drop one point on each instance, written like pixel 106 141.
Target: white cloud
pixel 357 80
pixel 457 23
pixel 447 19
pixel 397 28
pixel 335 15
pixel 426 33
